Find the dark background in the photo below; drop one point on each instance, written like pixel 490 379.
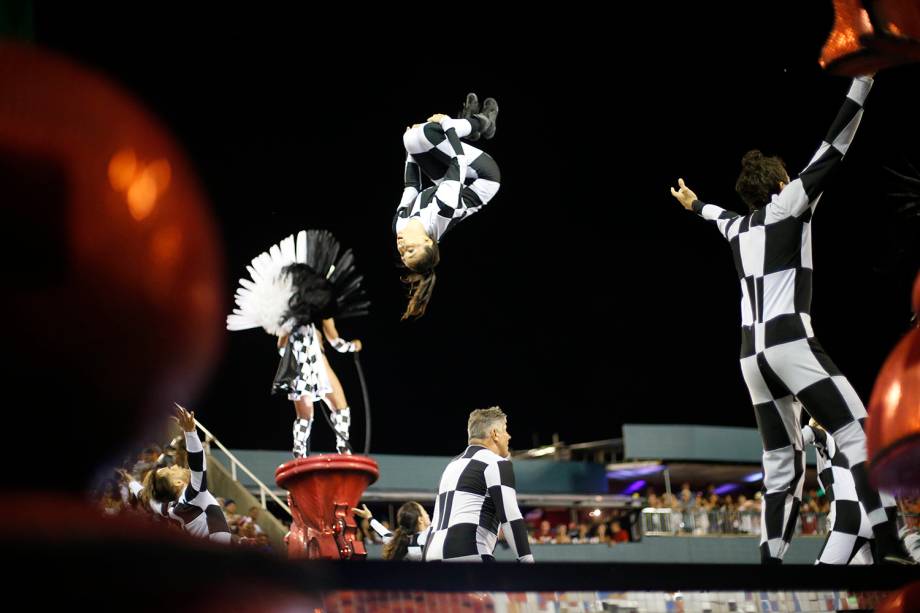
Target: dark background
pixel 583 297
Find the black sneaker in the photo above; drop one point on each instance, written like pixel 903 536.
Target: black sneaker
pixel 490 112
pixel 470 108
pixel 898 560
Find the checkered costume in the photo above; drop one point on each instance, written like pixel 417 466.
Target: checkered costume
pixel 850 536
pixel 465 178
pixel 476 497
pixel 309 378
pixel 416 541
pixel 197 511
pixel 780 356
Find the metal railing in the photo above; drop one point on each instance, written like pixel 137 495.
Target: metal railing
pixel 702 522
pixel 264 490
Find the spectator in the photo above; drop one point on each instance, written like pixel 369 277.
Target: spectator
pixel 562 535
pixel 233 519
pixel 600 534
pixel 617 533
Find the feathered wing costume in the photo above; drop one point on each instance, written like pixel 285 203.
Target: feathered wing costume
pixel 292 286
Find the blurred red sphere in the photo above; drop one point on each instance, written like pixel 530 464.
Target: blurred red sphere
pixel 893 426
pixel 112 257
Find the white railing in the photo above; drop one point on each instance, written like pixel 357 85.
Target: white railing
pixel 264 490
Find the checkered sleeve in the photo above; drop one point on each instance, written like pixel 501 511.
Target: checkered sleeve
pixel 720 217
pixel 381 530
pixel 158 508
pixel 412 182
pixel 196 465
pixel 804 191
pixel 500 484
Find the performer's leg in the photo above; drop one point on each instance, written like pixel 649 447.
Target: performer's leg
pixel 862 552
pixel 783 458
pixel 430 147
pixel 830 398
pixel 341 413
pixel 841 543
pixel 302 427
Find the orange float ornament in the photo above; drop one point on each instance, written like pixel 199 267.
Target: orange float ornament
pixel 870 35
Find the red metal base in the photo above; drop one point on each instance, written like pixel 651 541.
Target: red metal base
pixel 322 490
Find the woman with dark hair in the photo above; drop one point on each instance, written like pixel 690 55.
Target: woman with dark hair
pixel 465 179
pixel 295 286
pixel 408 541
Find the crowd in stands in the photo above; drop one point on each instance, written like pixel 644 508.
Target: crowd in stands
pixel 702 513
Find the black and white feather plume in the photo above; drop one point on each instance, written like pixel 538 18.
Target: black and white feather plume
pixel 299 281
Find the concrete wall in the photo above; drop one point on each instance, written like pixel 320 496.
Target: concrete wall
pixel 422 473
pixel 695 443
pixel 666 549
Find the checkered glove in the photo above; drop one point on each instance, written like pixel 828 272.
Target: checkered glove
pixel 343 346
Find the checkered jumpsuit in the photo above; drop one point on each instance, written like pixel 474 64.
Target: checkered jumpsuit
pixel 780 356
pixel 465 178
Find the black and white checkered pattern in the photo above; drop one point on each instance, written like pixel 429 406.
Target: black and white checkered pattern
pixel 911 539
pixel 302 429
pixel 850 535
pixel 416 541
pixel 780 356
pixel 197 511
pixel 312 380
pixel 341 423
pixel 343 346
pixel 476 496
pixel 465 178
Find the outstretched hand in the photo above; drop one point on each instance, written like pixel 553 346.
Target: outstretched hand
pixel 363 512
pixel 437 117
pixel 185 418
pixel 684 194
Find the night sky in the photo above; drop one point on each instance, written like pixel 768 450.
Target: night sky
pixel 583 296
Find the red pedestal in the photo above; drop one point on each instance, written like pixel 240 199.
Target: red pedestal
pixel 322 491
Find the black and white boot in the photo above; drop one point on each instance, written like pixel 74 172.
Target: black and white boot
pixel 302 428
pixel 341 422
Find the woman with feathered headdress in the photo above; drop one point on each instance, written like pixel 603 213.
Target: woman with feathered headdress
pixel 294 286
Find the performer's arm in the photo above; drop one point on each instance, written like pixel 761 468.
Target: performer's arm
pixel 337 342
pixel 159 508
pixel 500 483
pixel 196 464
pixel 804 191
pixel 380 529
pixel 710 212
pixel 412 184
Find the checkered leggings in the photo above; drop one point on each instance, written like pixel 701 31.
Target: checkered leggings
pixel 482 176
pixel 775 377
